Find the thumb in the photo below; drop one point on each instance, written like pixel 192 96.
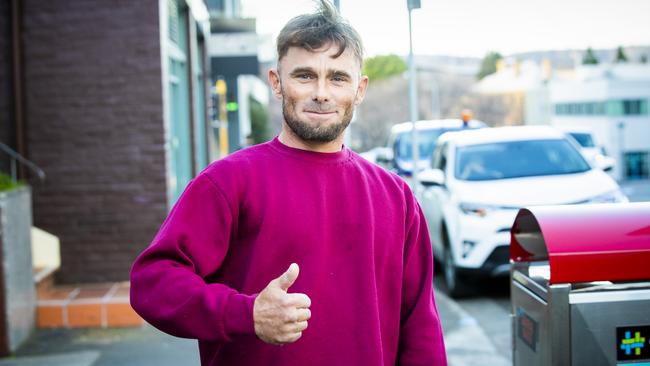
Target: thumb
pixel 288 278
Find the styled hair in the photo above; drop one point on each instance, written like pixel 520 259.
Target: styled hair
pixel 312 31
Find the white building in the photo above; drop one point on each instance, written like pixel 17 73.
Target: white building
pixel 525 79
pixel 612 100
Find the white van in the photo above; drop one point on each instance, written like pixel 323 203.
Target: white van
pixel 428 132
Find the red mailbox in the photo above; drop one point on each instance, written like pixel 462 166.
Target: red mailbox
pixel 584 243
pixel 580 285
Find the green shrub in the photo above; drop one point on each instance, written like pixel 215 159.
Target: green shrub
pixel 7 184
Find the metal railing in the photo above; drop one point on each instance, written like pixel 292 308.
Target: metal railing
pixel 17 158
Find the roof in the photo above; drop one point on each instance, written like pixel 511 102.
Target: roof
pixel 609 72
pixel 436 123
pixel 502 134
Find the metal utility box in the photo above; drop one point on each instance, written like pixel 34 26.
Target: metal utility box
pixel 580 285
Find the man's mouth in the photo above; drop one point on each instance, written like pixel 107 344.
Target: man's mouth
pixel 321 112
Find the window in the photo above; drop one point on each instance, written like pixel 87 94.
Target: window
pixel 627 107
pixel 174 21
pixel 631 107
pixel 515 159
pixel 216 5
pixel 580 109
pixel 636 165
pixel 443 158
pixel 584 139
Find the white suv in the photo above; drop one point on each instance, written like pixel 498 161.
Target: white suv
pixel 479 180
pixel 594 153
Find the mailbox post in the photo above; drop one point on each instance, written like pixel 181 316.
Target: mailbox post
pixel 580 285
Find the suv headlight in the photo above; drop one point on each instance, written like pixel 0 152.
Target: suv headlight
pixel 480 209
pixel 609 197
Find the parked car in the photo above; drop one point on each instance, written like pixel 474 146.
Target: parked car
pixel 590 148
pixel 380 155
pixel 400 141
pixel 479 180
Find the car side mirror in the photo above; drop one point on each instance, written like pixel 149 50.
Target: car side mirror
pixel 431 177
pixel 605 163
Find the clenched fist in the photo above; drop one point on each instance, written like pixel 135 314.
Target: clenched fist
pixel 280 317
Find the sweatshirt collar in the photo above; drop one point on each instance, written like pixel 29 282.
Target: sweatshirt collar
pixel 322 157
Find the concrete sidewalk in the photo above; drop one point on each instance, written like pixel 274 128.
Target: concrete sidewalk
pixel 105 347
pixel 467 345
pixel 466 342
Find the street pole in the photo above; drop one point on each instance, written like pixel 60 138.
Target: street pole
pixel 413 102
pixel 621 155
pixel 435 98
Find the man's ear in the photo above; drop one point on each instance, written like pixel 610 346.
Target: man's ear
pixel 276 85
pixel 361 90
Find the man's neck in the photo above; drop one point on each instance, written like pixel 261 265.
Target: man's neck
pixel 288 138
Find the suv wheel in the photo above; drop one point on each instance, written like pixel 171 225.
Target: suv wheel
pixel 455 284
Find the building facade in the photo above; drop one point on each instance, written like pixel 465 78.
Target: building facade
pixel 611 100
pixel 112 99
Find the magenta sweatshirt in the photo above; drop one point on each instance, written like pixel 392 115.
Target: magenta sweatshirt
pixel 356 231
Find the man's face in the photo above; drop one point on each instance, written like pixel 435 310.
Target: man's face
pixel 318 92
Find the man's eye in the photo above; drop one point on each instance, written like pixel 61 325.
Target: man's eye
pixel 305 76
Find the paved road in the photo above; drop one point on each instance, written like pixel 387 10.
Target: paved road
pixel 637 190
pixel 477 328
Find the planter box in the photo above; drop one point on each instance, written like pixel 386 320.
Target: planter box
pixel 17 290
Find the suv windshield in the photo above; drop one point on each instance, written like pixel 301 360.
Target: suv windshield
pixel 514 159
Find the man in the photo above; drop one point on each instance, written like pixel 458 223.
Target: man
pixel 298 251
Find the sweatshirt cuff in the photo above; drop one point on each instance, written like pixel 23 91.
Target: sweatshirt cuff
pixel 238 317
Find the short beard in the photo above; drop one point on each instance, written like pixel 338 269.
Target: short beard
pixel 318 134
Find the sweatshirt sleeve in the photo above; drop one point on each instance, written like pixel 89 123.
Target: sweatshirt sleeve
pixel 421 341
pixel 167 279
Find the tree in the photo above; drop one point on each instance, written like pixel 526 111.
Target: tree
pixel 589 58
pixel 620 55
pixel 643 59
pixel 260 131
pixel 383 67
pixel 489 64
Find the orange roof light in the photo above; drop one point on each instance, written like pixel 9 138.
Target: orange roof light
pixel 466 115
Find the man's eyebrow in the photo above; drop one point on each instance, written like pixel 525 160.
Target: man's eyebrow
pixel 342 73
pixel 302 70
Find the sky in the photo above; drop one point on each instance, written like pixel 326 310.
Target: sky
pixel 475 27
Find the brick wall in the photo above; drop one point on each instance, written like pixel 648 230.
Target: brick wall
pixel 6 131
pixel 95 125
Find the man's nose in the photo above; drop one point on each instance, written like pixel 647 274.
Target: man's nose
pixel 322 91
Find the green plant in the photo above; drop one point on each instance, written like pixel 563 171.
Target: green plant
pixel 383 67
pixel 489 64
pixel 620 55
pixel 589 58
pixel 7 183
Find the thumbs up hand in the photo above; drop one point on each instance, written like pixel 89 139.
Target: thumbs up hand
pixel 280 317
